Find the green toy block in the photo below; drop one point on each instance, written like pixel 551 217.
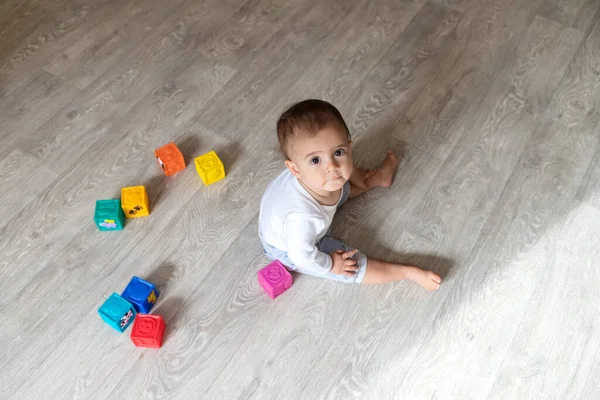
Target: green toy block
pixel 109 215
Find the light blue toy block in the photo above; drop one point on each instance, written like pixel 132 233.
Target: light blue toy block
pixel 117 312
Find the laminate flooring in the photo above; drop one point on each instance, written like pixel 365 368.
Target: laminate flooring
pixel 494 106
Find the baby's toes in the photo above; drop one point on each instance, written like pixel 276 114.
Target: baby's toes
pixel 434 282
pixel 435 277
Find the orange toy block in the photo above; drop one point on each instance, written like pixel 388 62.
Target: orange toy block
pixel 134 202
pixel 210 168
pixel 170 159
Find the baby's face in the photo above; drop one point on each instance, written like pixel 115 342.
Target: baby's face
pixel 322 162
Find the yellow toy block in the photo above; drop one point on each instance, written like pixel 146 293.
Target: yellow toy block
pixel 210 168
pixel 134 202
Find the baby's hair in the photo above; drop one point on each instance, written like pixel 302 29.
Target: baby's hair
pixel 307 117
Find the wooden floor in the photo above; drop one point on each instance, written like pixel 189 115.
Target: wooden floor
pixel 495 105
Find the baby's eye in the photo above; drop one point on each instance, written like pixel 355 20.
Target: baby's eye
pixel 340 152
pixel 314 161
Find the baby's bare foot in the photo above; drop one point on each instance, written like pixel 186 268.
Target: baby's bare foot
pixel 427 279
pixel 367 173
pixel 384 175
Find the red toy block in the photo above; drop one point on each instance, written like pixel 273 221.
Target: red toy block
pixel 170 159
pixel 148 331
pixel 275 279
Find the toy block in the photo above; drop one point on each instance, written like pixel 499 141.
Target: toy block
pixel 210 168
pixel 148 331
pixel 109 215
pixel 274 279
pixel 117 312
pixel 170 159
pixel 142 294
pixel 134 201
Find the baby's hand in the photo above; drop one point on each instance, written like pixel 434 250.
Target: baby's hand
pixel 343 264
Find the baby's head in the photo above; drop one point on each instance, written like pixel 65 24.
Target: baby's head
pixel 316 143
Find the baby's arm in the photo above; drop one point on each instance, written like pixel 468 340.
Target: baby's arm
pixel 301 233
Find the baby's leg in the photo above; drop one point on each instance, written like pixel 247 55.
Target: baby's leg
pixel 358 181
pixel 356 190
pixel 359 177
pixel 384 175
pixel 383 272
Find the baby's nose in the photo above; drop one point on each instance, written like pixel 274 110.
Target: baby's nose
pixel 332 165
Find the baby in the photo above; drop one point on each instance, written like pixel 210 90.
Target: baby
pixel 298 206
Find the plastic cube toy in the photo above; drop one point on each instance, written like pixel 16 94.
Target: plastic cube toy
pixel 109 215
pixel 134 201
pixel 142 294
pixel 210 168
pixel 170 159
pixel 148 331
pixel 117 312
pixel 274 279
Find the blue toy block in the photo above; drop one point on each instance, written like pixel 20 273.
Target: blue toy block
pixel 142 294
pixel 109 215
pixel 117 312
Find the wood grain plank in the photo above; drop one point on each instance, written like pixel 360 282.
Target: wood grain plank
pixel 545 56
pixel 450 78
pixel 29 108
pixel 552 352
pixel 262 91
pixel 17 20
pixel 212 221
pixel 485 48
pixel 112 43
pixel 467 343
pixel 23 178
pixel 381 335
pixel 407 67
pixel 55 31
pixel 160 118
pixel 99 49
pixel 155 121
pixel 97 273
pixel 578 14
pixel 454 210
pixel 577 98
pixel 456 207
pixel 458 5
pixel 197 349
pixel 248 30
pixel 373 221
pixel 589 191
pixel 91 115
pixel 592 390
pixel 433 121
pixel 353 51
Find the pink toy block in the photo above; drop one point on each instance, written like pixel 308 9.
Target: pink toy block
pixel 275 279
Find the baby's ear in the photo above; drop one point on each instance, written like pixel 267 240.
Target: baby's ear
pixel 292 167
